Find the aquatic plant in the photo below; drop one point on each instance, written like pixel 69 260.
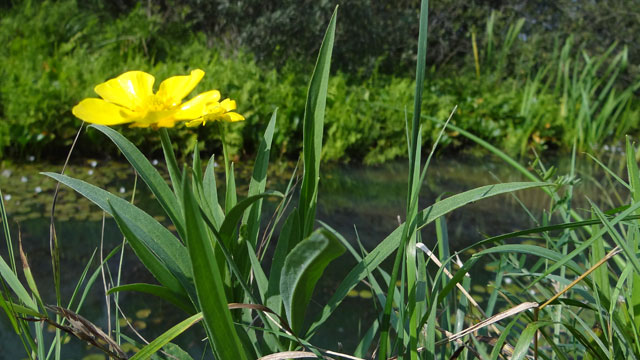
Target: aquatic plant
pixel 212 265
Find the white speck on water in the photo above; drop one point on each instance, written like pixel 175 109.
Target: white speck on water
pixel 122 189
pixel 7 197
pixel 532 292
pixel 6 173
pixel 508 280
pixel 154 162
pixel 38 189
pixel 31 158
pixel 93 163
pixel 215 164
pixel 90 172
pixel 24 179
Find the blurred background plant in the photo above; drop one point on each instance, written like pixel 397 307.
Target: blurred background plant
pixel 541 72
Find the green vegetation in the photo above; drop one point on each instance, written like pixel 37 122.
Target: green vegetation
pixel 515 94
pixel 573 293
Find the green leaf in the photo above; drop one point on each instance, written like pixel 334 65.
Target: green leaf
pixel 208 282
pixel 258 181
pixel 149 174
pixel 231 198
pixel 313 128
pixel 158 241
pixel 211 193
pixel 166 337
pixel 14 283
pixel 535 251
pixel 176 352
pixel 160 291
pixel 391 242
pixel 170 272
pixel 627 250
pixel 290 226
pixel 459 275
pixel 525 339
pixel 172 163
pixel 234 215
pixel 22 309
pixel 302 269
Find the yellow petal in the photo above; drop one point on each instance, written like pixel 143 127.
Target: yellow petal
pixel 130 89
pixel 233 117
pixel 176 88
pixel 166 122
pixel 194 123
pixel 98 111
pixel 197 107
pixel 228 104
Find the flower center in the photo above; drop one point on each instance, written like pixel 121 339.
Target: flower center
pixel 155 103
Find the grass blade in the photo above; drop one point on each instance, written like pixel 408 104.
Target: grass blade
pixel 172 163
pixel 162 340
pixel 313 128
pixel 258 181
pixel 211 192
pixel 390 243
pixel 160 291
pixel 208 282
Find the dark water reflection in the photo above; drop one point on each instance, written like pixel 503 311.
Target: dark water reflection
pixel 369 199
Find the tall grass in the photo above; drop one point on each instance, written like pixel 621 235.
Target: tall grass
pixel 572 294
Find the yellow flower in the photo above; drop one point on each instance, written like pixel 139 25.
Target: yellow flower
pixel 215 110
pixel 129 98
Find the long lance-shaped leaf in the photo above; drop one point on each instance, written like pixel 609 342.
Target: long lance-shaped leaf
pixel 172 163
pixel 633 247
pixel 624 215
pixel 149 174
pixel 156 238
pixel 258 181
pixel 628 251
pixel 391 242
pixel 160 291
pixel 15 285
pixel 157 261
pixel 208 282
pixel 302 269
pixel 313 128
pixel 234 215
pixel 166 337
pixel 211 193
pixel 526 339
pixel 273 296
pixel 535 251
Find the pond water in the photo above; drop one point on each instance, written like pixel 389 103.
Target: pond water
pixel 369 199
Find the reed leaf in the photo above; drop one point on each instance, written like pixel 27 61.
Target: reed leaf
pixel 391 242
pixel 313 125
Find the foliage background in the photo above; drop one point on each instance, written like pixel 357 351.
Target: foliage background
pixel 260 53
